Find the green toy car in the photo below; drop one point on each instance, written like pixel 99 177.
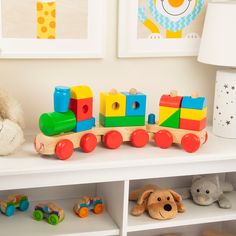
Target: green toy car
pixel 50 212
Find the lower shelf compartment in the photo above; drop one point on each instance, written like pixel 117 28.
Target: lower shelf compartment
pixel 22 223
pixel 194 215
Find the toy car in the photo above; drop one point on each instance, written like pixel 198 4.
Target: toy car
pixel 8 207
pixel 48 211
pixel 88 203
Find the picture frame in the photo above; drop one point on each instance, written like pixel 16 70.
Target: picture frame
pixel 130 45
pixel 91 46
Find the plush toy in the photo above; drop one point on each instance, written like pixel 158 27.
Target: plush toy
pixel 161 204
pixel 207 190
pixel 11 124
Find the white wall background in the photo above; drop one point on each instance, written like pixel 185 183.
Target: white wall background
pixel 32 81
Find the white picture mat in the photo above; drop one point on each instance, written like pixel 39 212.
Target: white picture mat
pixel 131 46
pixel 92 47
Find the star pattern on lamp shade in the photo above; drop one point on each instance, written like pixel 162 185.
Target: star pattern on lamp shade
pixel 226 91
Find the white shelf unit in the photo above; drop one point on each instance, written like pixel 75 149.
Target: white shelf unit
pixel 112 174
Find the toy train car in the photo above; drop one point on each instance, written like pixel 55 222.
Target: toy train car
pixel 182 120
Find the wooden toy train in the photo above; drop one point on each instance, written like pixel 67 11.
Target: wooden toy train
pixel 182 120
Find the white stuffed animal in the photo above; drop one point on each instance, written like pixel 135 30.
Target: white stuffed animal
pixel 11 124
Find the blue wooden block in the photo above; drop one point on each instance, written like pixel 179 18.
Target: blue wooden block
pixel 194 103
pixel 135 104
pixel 84 125
pixel 61 99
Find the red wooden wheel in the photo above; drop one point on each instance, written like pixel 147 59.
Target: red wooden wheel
pixel 190 142
pixel 163 139
pixel 113 139
pixel 88 142
pixel 64 149
pixel 139 138
pixel 206 138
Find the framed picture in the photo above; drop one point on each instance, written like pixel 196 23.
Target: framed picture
pixel 156 28
pixel 52 28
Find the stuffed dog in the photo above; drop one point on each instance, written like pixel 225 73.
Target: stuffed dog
pixel 11 124
pixel 161 204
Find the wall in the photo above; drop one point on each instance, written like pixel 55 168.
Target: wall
pixel 33 81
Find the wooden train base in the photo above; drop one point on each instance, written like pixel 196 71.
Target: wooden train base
pixel 63 145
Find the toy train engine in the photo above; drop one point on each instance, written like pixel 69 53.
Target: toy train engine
pixel 182 120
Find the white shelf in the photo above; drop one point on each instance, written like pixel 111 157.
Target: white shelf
pixel 22 223
pixel 194 215
pixel 216 156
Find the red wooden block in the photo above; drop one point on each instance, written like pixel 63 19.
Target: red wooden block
pixel 171 101
pixel 196 125
pixel 82 108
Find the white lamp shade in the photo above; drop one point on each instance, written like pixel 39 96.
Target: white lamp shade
pixel 218 44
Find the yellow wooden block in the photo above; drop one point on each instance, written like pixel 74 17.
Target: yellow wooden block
pixel 192 114
pixel 165 113
pixel 80 92
pixel 112 104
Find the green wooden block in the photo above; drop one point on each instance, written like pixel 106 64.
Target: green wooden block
pixel 121 121
pixel 172 121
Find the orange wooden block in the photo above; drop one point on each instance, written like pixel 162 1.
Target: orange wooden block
pixel 82 108
pixel 196 125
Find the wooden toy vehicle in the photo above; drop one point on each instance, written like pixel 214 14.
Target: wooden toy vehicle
pixel 50 212
pixel 88 203
pixel 8 207
pixel 182 120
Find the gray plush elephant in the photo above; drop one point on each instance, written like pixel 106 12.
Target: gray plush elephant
pixel 206 190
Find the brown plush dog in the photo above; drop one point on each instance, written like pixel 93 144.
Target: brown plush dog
pixel 161 204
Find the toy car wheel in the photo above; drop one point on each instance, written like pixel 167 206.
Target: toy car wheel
pixel 113 139
pixel 88 142
pixel 53 219
pixel 163 139
pixel 64 149
pixel 10 211
pixel 38 215
pixel 98 209
pixel 190 143
pixel 24 205
pixel 206 138
pixel 139 138
pixel 83 212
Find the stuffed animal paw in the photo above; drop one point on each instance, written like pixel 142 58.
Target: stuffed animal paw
pixel 11 124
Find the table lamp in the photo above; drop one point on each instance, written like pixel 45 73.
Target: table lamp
pixel 218 47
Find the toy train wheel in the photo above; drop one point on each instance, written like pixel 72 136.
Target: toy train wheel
pixel 190 143
pixel 83 212
pixel 98 209
pixel 163 139
pixel 206 138
pixel 113 139
pixel 64 149
pixel 139 138
pixel 88 142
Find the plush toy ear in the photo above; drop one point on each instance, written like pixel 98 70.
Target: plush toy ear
pixel 195 178
pixel 215 180
pixel 175 195
pixel 144 196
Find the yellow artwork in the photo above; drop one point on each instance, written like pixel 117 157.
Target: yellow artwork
pixel 46 19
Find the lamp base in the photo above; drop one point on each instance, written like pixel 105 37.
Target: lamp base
pixel 224 118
